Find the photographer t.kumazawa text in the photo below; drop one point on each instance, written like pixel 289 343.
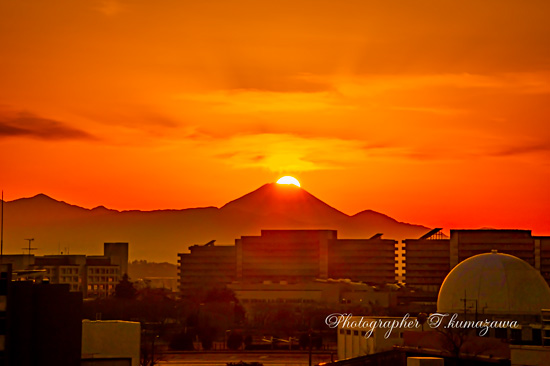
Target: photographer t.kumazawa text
pixel 434 321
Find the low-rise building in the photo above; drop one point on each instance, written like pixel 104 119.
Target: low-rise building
pixel 94 276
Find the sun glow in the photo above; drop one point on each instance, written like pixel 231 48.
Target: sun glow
pixel 289 180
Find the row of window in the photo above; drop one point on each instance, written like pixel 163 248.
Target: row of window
pixel 68 270
pixel 102 270
pixel 100 287
pixel 364 333
pixel 66 279
pixel 100 279
pixel 278 300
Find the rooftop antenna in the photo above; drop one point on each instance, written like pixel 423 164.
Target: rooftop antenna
pixel 30 249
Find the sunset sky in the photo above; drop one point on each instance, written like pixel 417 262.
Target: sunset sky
pixel 432 112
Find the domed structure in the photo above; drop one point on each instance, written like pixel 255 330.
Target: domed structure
pixel 500 283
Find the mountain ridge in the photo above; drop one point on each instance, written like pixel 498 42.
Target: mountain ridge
pixel 158 235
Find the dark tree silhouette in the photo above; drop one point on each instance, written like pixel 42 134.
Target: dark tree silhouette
pixel 182 341
pixel 125 289
pixel 234 341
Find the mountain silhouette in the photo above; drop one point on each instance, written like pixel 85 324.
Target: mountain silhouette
pixel 159 235
pixel 284 201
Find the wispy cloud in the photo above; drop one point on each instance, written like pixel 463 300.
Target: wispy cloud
pixel 534 148
pixel 522 83
pixel 284 152
pixel 25 124
pixel 254 101
pixel 110 7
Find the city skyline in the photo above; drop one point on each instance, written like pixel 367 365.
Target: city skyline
pixel 432 113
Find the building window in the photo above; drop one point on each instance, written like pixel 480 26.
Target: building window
pixel 342 331
pixel 348 332
pixel 355 332
pixel 515 335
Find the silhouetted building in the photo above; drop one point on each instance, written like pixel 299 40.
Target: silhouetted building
pixel 284 255
pixel 206 265
pixel 289 256
pixel 369 260
pixel 118 253
pixel 40 324
pixel 429 259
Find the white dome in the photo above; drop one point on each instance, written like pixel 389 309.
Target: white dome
pixel 501 284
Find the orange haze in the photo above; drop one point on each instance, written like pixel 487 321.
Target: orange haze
pixel 431 112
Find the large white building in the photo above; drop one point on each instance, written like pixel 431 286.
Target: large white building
pixel 497 286
pixel 366 335
pixel 114 340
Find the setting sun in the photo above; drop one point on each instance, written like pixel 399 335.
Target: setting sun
pixel 289 180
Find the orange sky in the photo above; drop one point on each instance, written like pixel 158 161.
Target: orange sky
pixel 432 112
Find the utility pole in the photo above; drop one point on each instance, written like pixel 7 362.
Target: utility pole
pixel 465 300
pixel 2 230
pixel 310 344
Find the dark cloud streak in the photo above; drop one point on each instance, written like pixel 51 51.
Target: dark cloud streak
pixel 29 125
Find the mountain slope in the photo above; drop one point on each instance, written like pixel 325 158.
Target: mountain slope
pixel 159 235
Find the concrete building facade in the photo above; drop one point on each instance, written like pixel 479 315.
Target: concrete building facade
pixel 289 257
pixel 206 265
pixel 368 260
pixel 356 336
pixel 426 261
pixel 284 255
pixel 113 341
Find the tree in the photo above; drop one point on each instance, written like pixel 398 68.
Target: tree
pixel 125 289
pixel 206 336
pixel 234 341
pixel 182 342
